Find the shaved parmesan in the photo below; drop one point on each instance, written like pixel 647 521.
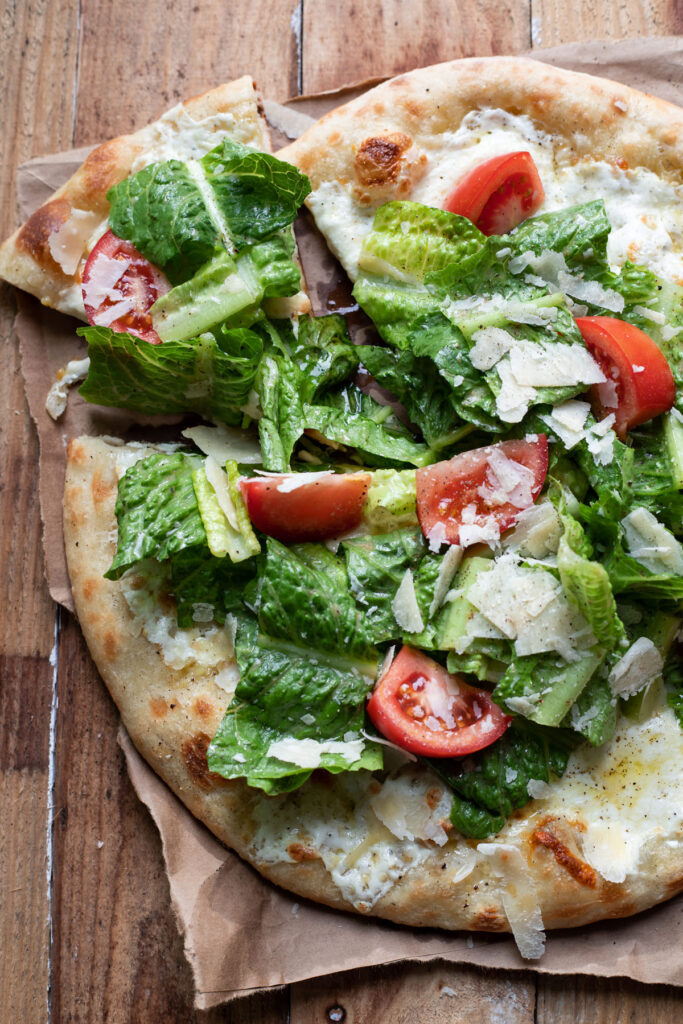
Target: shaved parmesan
pixel 520 899
pixel 567 420
pixel 537 532
pixel 507 481
pixel 529 607
pixel 651 544
pixel 105 272
pixel 76 370
pixel 413 805
pixel 68 244
pixel 449 566
pixel 308 753
pixel 223 443
pixel 639 667
pixel 405 607
pixel 293 481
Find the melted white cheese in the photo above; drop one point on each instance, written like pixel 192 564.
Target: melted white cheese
pixel 75 371
pixel 646 212
pixel 206 644
pixel 627 793
pixel 177 136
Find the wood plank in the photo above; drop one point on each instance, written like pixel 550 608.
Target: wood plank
pixel 166 52
pixel 348 41
pixel 550 25
pixel 444 994
pixel 36 85
pixel 584 1000
pixel 117 952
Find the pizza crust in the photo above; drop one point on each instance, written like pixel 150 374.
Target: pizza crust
pixel 593 117
pixel 416 135
pixel 538 863
pixel 46 255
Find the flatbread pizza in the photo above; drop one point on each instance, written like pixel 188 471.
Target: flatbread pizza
pixel 415 659
pixel 46 255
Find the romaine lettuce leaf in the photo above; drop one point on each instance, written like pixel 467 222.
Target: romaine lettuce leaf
pixel 157 511
pixel 288 693
pixel 376 566
pixel 304 599
pixel 211 375
pixel 180 214
pixel 488 786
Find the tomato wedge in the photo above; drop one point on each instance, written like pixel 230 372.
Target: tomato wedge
pixel 120 286
pixel 424 709
pixel 299 507
pixel 475 495
pixel 498 194
pixel 640 384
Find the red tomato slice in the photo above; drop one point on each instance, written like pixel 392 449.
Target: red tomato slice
pixel 498 194
pixel 640 384
pixel 120 286
pixel 480 492
pixel 299 507
pixel 422 708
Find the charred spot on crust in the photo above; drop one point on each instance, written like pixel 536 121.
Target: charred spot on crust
pixel 433 797
pixel 194 755
pixel 34 235
pixel 158 707
pixel 101 170
pixel 203 708
pixel 299 852
pixel 378 159
pixel 103 486
pixel 489 920
pixel 580 871
pixel 111 645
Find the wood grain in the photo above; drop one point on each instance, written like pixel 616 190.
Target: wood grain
pixel 350 41
pixel 166 52
pixel 585 1000
pixel 439 993
pixel 620 19
pixel 36 85
pixel 116 952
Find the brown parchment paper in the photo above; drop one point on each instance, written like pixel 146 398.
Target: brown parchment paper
pixel 242 934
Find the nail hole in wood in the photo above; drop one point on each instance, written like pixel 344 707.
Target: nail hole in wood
pixel 336 1014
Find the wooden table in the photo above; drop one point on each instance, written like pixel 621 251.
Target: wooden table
pixel 86 929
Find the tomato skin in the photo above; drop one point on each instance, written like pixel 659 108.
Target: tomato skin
pixel 640 395
pixel 416 690
pixel 316 510
pixel 498 194
pixel 445 489
pixel 138 286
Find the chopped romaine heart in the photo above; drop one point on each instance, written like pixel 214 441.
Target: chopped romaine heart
pixel 474 496
pixel 419 706
pixel 305 506
pixel 498 194
pixel 120 286
pixel 640 384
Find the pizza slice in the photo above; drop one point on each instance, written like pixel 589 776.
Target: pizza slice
pixel 46 255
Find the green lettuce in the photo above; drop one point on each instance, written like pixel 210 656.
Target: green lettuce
pixel 180 214
pixel 212 375
pixel 376 566
pixel 306 669
pixel 157 511
pixel 489 785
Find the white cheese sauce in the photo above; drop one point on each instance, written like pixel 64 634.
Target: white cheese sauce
pixel 645 211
